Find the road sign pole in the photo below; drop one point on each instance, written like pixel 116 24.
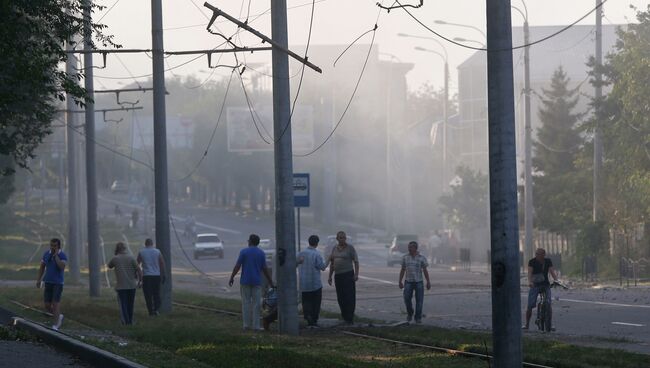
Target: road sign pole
pixel 298 229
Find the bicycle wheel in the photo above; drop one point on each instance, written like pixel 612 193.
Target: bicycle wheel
pixel 547 317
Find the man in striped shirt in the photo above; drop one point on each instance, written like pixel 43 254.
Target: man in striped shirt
pixel 413 266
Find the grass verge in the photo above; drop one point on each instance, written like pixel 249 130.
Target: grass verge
pixel 197 338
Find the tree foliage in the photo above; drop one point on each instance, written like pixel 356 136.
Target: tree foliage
pixel 31 83
pixel 466 206
pixel 623 117
pixel 558 143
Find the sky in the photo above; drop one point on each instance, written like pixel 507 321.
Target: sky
pixel 335 22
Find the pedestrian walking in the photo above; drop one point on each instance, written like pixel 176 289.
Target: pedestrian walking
pixel 51 273
pixel 311 264
pixel 344 264
pixel 129 277
pixel 413 266
pixel 134 218
pixel 153 271
pixel 252 262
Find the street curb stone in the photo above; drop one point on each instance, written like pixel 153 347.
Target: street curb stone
pixel 85 352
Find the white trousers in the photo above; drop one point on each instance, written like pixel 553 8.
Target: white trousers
pixel 251 300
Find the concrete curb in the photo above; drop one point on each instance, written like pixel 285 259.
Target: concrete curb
pixel 85 352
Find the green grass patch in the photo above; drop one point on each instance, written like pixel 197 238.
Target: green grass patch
pixel 540 351
pixel 189 337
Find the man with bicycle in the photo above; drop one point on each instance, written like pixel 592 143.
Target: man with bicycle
pixel 538 270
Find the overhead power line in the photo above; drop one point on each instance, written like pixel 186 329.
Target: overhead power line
pixel 507 49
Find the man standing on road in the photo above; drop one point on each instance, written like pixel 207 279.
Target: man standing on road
pixel 153 270
pixel 311 264
pixel 342 260
pixel 413 266
pixel 538 269
pixel 252 261
pixel 53 265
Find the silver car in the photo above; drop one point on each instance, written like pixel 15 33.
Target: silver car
pixel 208 245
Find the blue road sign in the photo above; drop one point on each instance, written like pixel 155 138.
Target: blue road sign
pixel 301 190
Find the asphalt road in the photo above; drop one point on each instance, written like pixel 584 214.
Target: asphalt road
pixel 603 316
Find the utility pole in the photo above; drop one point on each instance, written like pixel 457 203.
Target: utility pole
pixel 528 151
pixel 74 243
pixel 160 153
pixel 598 96
pixel 506 303
pixel 284 220
pixel 445 114
pixel 94 271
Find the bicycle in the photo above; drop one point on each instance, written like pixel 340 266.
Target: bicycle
pixel 544 310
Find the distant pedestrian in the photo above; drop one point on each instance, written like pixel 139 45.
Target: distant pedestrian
pixel 118 211
pixel 252 262
pixel 434 244
pixel 311 264
pixel 134 218
pixel 129 277
pixel 153 270
pixel 344 263
pixel 53 266
pixel 413 266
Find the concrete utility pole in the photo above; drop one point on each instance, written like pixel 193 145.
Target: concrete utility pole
pixel 284 220
pixel 94 268
pixel 160 152
pixel 528 151
pixel 598 95
pixel 74 241
pixel 506 303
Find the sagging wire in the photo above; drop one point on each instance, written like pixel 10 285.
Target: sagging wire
pixel 389 8
pixel 180 245
pixel 214 131
pixel 356 87
pixel 105 146
pixel 504 49
pixel 302 75
pixel 251 109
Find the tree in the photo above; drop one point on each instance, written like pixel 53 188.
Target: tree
pixel 6 181
pixel 33 32
pixel 466 207
pixel 556 148
pixel 624 117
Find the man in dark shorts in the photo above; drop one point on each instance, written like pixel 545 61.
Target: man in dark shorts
pixel 538 270
pixel 52 266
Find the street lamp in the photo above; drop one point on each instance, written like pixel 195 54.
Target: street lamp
pixel 445 106
pixel 438 21
pixel 461 39
pixel 528 175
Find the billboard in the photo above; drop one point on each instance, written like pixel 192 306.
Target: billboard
pixel 244 136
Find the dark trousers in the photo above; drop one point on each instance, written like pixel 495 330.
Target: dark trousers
pixel 151 291
pixel 125 298
pixel 346 294
pixel 311 305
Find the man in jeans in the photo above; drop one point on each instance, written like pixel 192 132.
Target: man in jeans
pixel 153 270
pixel 413 266
pixel 311 264
pixel 252 262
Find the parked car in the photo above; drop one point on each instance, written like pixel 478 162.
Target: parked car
pixel 269 251
pixel 208 245
pixel 119 186
pixel 398 248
